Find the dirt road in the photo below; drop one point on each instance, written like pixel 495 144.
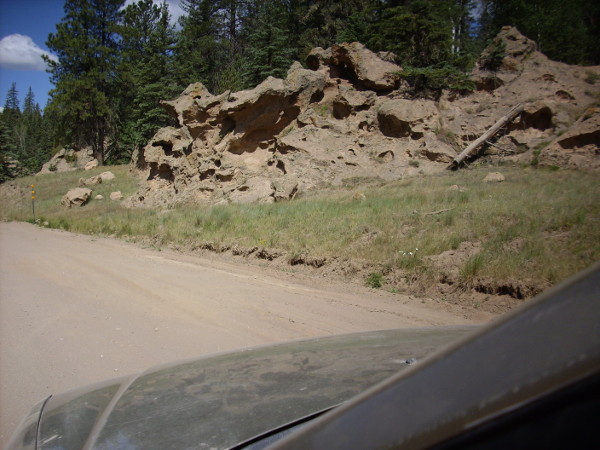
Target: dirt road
pixel 75 310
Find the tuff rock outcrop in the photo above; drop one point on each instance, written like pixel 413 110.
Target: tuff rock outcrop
pixel 68 159
pixel 579 147
pixel 349 116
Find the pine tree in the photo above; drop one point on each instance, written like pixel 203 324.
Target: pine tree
pixel 146 73
pixel 422 32
pixel 36 146
pixel 268 53
pixel 12 111
pixel 7 151
pixel 233 35
pixel 9 139
pixel 86 44
pixel 234 13
pixel 23 144
pixel 564 31
pixel 200 53
pixel 327 22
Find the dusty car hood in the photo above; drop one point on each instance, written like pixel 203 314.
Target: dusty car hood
pixel 220 401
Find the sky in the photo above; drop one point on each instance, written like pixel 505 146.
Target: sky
pixel 24 29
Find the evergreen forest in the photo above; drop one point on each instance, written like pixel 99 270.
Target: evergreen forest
pixel 116 63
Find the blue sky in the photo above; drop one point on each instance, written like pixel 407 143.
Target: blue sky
pixel 24 29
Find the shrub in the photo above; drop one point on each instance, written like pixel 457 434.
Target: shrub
pixel 471 269
pixel 431 81
pixel 591 77
pixel 536 153
pixel 445 135
pixel 375 280
pixel 71 157
pixel 493 56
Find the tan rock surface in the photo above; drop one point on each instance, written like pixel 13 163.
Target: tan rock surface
pixel 116 195
pixel 579 147
pixel 76 197
pixel 346 116
pixel 66 160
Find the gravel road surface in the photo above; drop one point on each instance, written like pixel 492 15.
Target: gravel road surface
pixel 76 309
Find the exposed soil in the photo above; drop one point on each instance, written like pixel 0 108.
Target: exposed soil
pixel 482 295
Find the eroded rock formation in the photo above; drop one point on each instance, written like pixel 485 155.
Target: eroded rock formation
pixel 68 159
pixel 347 116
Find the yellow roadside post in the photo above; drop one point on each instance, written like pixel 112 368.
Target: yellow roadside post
pixel 33 201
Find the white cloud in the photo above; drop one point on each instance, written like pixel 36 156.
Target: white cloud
pixel 174 6
pixel 175 10
pixel 19 52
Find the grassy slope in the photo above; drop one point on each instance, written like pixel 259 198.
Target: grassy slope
pixel 539 225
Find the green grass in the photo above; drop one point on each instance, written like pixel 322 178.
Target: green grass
pixel 375 280
pixel 539 225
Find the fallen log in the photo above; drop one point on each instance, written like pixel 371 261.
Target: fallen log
pixel 433 213
pixel 514 112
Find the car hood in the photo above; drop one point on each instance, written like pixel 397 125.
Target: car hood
pixel 220 401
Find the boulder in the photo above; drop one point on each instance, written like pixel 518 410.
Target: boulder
pixel 307 84
pixel 116 195
pixel 184 107
pixel 107 176
pixel 494 177
pixel 99 197
pixel 457 188
pixel 91 165
pixel 15 167
pixel 285 189
pixel 96 179
pixel 76 197
pixel 318 58
pixel 357 63
pixel 318 142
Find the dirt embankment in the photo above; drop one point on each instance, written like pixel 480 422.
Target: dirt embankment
pixel 482 295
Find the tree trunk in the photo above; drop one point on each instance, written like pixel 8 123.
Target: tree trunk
pixel 515 111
